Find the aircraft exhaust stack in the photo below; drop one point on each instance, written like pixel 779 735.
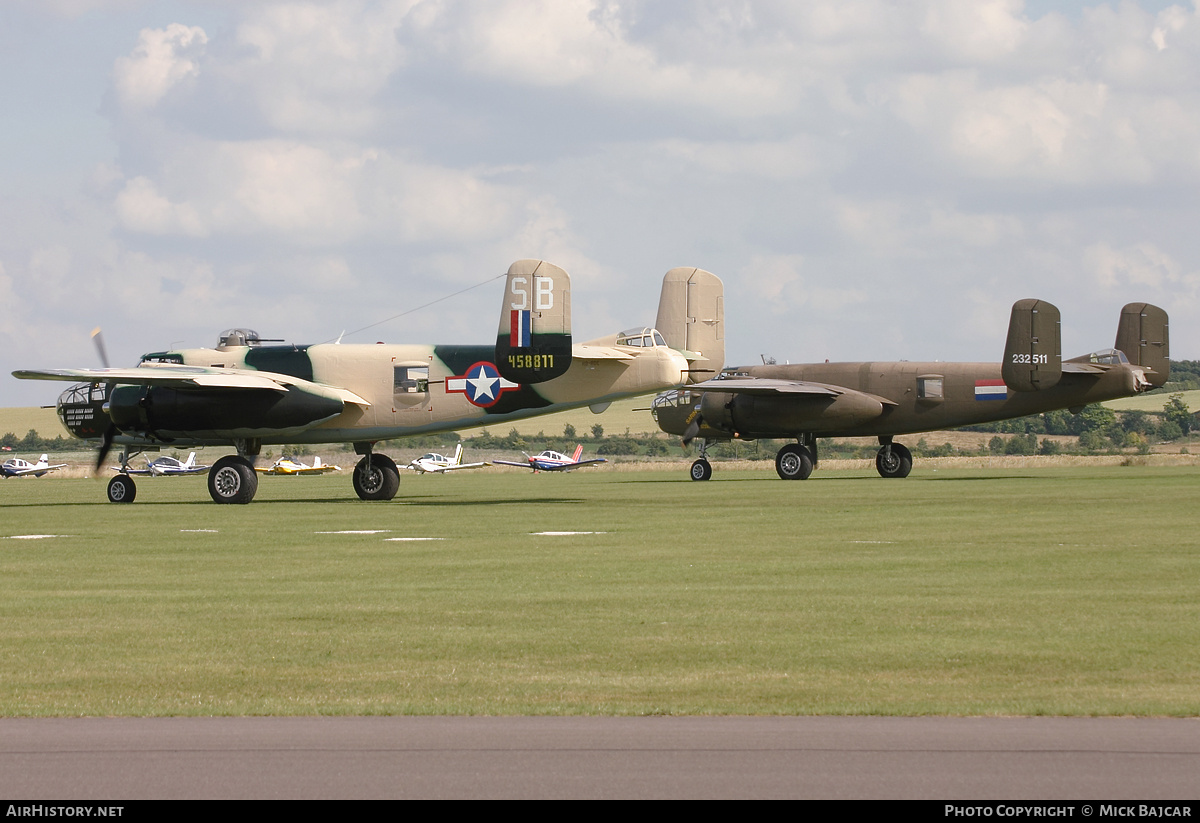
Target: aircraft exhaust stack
pixel 1142 336
pixel 1033 351
pixel 691 317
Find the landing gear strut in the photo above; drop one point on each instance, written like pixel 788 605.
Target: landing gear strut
pixel 376 477
pixel 796 461
pixel 121 489
pixel 793 462
pixel 701 468
pixel 232 479
pixel 893 459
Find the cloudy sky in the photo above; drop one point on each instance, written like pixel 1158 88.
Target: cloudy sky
pixel 872 179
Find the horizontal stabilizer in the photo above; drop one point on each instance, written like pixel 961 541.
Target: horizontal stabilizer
pixel 1033 352
pixel 590 352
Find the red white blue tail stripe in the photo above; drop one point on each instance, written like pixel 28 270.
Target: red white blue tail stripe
pixel 521 325
pixel 990 390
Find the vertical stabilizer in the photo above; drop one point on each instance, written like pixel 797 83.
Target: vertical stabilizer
pixel 533 343
pixel 691 316
pixel 1033 351
pixel 1142 335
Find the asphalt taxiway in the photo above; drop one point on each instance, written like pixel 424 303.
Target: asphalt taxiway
pixel 600 757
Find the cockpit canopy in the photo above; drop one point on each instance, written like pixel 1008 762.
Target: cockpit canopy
pixel 643 337
pixel 1108 357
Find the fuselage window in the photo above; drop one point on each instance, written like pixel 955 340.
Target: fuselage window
pixel 930 388
pixel 410 380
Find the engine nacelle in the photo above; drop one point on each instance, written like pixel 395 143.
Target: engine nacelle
pixel 162 412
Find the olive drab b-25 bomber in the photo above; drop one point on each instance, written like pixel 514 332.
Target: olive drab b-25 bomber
pixel 806 401
pixel 246 394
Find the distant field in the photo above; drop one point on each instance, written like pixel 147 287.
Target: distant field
pixel 19 420
pixel 987 591
pixel 1153 402
pixel 616 419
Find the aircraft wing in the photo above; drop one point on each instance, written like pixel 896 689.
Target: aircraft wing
pixel 525 465
pixel 198 377
pixel 465 466
pixel 304 470
pixel 770 385
pixel 566 467
pixel 34 470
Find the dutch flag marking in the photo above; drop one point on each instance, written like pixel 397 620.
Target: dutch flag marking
pixel 520 327
pixel 990 390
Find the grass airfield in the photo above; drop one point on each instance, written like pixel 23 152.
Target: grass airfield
pixel 1049 591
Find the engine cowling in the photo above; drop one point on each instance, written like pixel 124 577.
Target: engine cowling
pixel 163 412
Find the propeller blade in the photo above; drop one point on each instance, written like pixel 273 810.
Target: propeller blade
pixel 105 446
pixel 98 339
pixel 692 430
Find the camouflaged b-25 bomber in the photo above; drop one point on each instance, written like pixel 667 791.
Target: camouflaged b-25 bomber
pixel 246 394
pixel 806 401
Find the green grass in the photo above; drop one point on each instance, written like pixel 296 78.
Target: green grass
pixel 977 592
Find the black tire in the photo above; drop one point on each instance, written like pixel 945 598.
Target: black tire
pixel 380 482
pixel 232 480
pixel 793 462
pixel 898 464
pixel 701 470
pixel 121 489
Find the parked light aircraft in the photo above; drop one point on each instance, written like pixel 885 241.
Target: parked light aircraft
pixel 244 394
pixel 291 466
pixel 16 467
pixel 440 464
pixel 804 401
pixel 552 461
pixel 165 466
pixel 121 488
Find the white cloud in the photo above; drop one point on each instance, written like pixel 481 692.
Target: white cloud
pixel 140 208
pixel 161 59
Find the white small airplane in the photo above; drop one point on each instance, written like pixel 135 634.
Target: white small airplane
pixel 552 461
pixel 164 467
pixel 290 465
pixel 440 464
pixel 16 467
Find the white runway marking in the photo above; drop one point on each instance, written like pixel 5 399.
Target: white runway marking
pixel 562 534
pixel 358 531
pixel 408 539
pixel 34 536
pixel 200 531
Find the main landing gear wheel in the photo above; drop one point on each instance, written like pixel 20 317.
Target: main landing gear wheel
pixel 232 480
pixel 121 489
pixel 793 462
pixel 376 478
pixel 701 470
pixel 896 462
